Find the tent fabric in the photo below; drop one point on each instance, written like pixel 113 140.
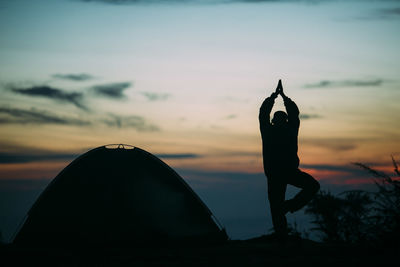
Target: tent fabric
pixel 120 195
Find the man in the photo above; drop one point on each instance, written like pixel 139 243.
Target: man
pixel 281 163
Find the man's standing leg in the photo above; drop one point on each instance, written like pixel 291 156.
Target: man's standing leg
pixel 276 197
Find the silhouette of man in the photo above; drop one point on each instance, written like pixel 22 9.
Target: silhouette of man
pixel 281 163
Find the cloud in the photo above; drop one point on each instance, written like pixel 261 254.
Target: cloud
pixel 215 2
pixel 52 93
pixel 345 83
pixel 16 153
pixel 155 96
pixel 337 177
pixel 125 2
pixel 383 13
pixel 73 77
pixel 178 156
pixel 230 117
pixel 34 116
pixel 309 116
pixel 335 144
pixel 234 99
pixel 345 176
pixel 122 2
pixel 112 90
pixel 390 12
pixel 327 167
pixel 26 157
pixel 136 122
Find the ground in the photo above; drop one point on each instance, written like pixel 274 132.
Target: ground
pixel 262 251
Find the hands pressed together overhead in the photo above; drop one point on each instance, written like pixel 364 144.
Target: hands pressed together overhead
pixel 268 103
pixel 278 91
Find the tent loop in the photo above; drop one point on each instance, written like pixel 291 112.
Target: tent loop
pixel 119 146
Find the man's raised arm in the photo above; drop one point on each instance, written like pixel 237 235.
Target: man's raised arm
pixel 265 111
pixel 292 110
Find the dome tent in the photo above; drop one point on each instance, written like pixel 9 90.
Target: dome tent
pixel 118 195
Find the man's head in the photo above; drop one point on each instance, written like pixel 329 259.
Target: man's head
pixel 280 118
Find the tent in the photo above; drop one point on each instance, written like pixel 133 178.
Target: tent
pixel 118 194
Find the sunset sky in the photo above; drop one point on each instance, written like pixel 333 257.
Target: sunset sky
pixel 184 80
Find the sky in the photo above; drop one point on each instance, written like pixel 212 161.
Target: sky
pixel 184 80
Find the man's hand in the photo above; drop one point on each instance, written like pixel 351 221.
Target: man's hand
pixel 276 93
pixel 279 89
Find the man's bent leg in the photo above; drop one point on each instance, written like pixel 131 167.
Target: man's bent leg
pixel 276 197
pixel 309 187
